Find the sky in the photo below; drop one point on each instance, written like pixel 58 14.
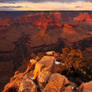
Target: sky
pixel 41 5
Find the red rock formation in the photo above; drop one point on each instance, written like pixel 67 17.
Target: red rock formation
pixel 42 20
pixel 83 17
pixel 67 26
pixel 22 82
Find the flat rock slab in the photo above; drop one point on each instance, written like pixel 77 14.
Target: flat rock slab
pixel 55 83
pixel 47 62
pixel 86 87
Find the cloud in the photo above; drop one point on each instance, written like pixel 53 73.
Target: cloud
pixel 78 6
pixel 25 6
pixel 11 7
pixel 13 1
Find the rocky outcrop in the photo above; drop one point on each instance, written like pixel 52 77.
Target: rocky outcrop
pixel 46 82
pixel 43 79
pixel 83 17
pixel 41 76
pixel 24 82
pixel 56 83
pixel 27 85
pixel 45 64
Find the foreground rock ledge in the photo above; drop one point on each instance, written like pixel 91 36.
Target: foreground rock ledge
pixel 47 79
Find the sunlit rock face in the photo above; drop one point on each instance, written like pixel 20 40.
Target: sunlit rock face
pixel 55 83
pixel 31 32
pixel 83 17
pixel 47 78
pixel 86 87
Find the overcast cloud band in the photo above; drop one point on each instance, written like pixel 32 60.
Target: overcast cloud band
pixel 13 1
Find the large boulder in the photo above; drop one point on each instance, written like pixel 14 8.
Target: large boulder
pixel 48 62
pixel 43 78
pixel 86 87
pixel 27 85
pixel 56 83
pixel 45 64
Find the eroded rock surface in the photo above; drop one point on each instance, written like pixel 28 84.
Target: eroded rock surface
pixel 43 79
pixel 56 83
pixel 27 85
pixel 86 87
pixel 47 78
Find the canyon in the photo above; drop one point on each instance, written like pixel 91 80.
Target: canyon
pixel 24 36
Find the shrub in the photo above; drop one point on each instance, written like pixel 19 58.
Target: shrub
pixel 72 58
